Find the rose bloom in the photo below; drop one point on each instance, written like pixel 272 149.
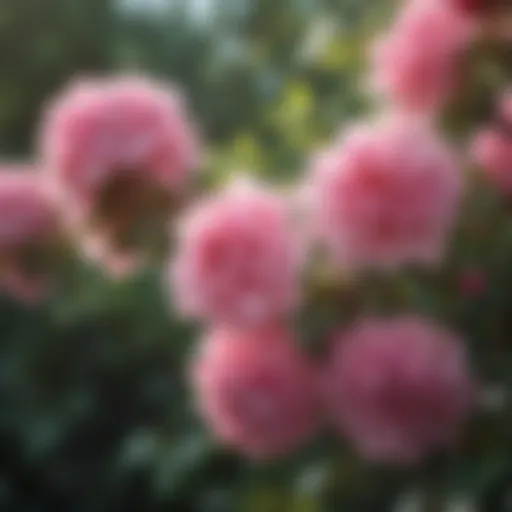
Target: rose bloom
pixel 493 146
pixel 238 257
pixel 30 234
pixel 386 195
pixel 398 388
pixel 121 151
pixel 256 391
pixel 416 65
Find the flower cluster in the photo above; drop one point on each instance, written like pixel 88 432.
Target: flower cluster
pixel 417 64
pixel 116 162
pixel 256 390
pixel 121 152
pixel 239 257
pixel 116 157
pixel 388 379
pixel 384 196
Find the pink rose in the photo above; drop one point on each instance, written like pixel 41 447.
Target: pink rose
pixel 256 391
pixel 29 233
pixel 416 64
pixel 238 257
pixel 121 151
pixel 386 195
pixel 398 388
pixel 493 147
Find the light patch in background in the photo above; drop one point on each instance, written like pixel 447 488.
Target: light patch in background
pixel 144 6
pixel 197 8
pixel 416 501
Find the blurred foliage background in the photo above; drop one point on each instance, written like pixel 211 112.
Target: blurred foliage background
pixel 95 414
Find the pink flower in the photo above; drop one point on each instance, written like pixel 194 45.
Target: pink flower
pixel 386 195
pixel 416 64
pixel 29 233
pixel 256 391
pixel 121 151
pixel 398 388
pixel 493 147
pixel 238 259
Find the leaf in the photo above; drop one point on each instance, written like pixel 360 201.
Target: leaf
pixel 179 461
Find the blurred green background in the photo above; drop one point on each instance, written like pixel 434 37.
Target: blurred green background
pixel 95 414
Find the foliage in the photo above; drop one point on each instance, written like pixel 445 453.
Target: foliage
pixel 95 413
